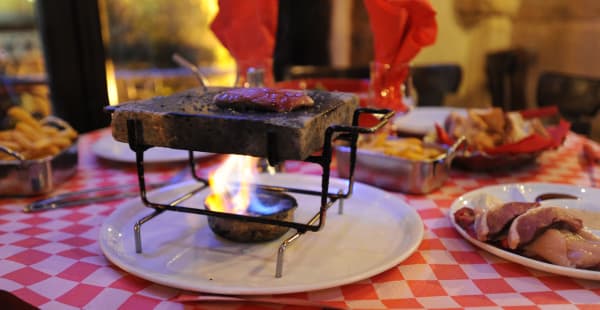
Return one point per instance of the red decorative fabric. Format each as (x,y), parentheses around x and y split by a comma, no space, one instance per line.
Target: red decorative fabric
(247,28)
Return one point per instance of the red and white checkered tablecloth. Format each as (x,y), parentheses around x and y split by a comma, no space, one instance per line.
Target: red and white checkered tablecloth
(53,261)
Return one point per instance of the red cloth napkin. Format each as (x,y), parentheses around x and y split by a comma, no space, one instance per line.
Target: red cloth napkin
(535,142)
(400,29)
(247,28)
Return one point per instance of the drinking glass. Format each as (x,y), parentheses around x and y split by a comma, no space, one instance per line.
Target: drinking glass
(257,73)
(254,73)
(391,86)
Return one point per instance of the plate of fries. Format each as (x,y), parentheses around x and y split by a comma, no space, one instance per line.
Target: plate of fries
(407,148)
(35,155)
(406,165)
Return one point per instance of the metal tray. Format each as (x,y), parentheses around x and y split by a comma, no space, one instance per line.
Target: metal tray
(396,173)
(37,176)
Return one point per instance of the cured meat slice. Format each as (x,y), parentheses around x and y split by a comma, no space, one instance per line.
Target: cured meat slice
(464,217)
(526,227)
(500,218)
(493,216)
(263,99)
(566,248)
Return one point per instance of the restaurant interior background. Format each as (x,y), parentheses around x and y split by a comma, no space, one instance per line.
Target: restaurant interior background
(140,36)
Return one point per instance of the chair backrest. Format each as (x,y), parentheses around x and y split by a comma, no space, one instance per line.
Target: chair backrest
(434,82)
(506,73)
(307,71)
(577,97)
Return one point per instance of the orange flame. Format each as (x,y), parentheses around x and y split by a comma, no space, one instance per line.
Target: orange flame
(231,184)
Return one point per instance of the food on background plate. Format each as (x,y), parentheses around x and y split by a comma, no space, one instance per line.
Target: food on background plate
(407,148)
(548,233)
(485,129)
(497,140)
(34,139)
(263,99)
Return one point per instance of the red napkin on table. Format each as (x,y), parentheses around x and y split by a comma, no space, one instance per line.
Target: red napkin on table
(247,28)
(400,29)
(535,142)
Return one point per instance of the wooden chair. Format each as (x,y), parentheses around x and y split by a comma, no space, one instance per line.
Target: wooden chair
(577,97)
(434,82)
(506,73)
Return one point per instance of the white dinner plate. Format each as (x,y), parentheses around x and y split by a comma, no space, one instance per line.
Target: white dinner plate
(108,148)
(421,120)
(588,202)
(375,232)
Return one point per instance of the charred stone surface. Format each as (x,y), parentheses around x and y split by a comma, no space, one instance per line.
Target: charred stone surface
(190,120)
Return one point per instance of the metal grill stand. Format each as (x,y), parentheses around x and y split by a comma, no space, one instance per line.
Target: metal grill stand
(349,133)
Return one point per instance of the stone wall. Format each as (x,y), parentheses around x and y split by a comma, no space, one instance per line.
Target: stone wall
(558,35)
(562,35)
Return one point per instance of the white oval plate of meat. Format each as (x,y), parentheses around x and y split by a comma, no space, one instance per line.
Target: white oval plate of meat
(587,207)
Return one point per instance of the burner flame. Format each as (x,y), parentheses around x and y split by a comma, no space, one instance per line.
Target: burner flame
(232,185)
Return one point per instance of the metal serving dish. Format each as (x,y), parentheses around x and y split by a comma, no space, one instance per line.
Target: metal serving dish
(396,173)
(37,176)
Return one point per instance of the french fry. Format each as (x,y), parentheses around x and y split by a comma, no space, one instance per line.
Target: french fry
(20,138)
(5,134)
(11,145)
(50,131)
(21,115)
(61,142)
(29,131)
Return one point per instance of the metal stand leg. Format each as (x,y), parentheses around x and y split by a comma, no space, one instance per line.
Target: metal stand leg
(137,228)
(287,242)
(281,251)
(341,203)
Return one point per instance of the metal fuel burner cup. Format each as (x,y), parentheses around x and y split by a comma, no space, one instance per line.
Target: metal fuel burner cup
(266,204)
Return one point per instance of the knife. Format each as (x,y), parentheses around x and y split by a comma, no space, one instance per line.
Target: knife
(96,195)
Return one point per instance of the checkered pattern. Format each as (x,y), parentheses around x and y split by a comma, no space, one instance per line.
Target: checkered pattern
(52,259)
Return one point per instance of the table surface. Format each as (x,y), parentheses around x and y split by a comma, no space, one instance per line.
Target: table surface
(53,260)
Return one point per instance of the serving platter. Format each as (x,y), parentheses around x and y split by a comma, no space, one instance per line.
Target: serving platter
(376,231)
(586,204)
(108,148)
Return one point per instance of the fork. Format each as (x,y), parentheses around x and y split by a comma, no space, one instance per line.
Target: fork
(95,195)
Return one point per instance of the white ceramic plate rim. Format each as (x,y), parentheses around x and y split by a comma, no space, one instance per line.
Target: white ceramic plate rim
(421,120)
(108,148)
(529,191)
(411,228)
